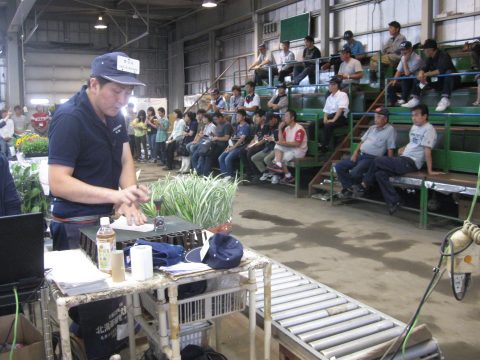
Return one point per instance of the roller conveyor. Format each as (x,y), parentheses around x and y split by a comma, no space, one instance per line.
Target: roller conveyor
(316,322)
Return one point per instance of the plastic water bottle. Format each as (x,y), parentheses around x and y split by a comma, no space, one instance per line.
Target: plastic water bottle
(105,245)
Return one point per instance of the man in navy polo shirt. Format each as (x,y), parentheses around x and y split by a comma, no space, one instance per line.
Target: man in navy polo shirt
(89,154)
(89,159)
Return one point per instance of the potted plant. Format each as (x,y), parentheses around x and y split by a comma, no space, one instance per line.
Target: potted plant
(203,200)
(32,145)
(27,182)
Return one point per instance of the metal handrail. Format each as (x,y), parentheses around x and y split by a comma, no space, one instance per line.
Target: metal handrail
(461,73)
(450,41)
(405,113)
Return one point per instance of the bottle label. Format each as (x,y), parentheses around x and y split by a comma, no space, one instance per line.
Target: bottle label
(104,256)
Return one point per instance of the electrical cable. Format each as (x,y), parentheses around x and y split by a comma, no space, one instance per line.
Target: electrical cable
(17,311)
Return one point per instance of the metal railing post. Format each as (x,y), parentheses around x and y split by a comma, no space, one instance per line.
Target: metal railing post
(317,71)
(270,77)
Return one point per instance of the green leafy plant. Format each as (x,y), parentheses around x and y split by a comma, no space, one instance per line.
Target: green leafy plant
(205,201)
(27,182)
(38,146)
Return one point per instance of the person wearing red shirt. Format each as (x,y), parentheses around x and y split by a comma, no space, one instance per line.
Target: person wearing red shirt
(291,144)
(40,121)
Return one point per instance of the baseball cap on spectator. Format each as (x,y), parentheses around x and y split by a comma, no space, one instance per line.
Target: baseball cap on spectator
(347,35)
(282,85)
(395,24)
(346,48)
(262,46)
(381,110)
(430,44)
(223,251)
(405,45)
(214,91)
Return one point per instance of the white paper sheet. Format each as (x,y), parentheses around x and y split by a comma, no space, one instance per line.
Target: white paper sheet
(121,224)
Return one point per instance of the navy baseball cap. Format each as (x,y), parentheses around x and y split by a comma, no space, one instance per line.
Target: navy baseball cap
(405,45)
(382,111)
(346,48)
(335,80)
(224,252)
(117,67)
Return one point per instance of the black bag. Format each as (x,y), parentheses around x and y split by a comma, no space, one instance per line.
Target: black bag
(194,352)
(205,147)
(182,149)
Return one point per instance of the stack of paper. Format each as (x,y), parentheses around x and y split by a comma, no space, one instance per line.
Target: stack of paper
(74,273)
(183,268)
(121,224)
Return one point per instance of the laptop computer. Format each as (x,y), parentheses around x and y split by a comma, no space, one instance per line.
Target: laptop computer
(21,252)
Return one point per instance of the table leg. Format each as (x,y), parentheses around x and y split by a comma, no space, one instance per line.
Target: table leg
(62,312)
(174,323)
(131,326)
(252,297)
(46,328)
(162,319)
(267,309)
(218,334)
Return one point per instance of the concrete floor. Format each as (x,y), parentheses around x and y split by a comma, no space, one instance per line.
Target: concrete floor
(384,261)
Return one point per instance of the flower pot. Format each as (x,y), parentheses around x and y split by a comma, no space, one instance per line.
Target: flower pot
(34,155)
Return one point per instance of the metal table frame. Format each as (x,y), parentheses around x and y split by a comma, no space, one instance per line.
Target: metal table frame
(160,282)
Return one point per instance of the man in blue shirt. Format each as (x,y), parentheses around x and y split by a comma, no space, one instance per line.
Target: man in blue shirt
(238,143)
(89,154)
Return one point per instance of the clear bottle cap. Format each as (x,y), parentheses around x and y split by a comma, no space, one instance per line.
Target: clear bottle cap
(104,221)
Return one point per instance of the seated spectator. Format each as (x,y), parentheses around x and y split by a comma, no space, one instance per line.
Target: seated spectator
(285,68)
(335,111)
(175,137)
(152,124)
(279,102)
(7,130)
(310,53)
(40,121)
(438,62)
(291,145)
(252,100)
(10,203)
(475,56)
(377,141)
(217,103)
(410,63)
(206,130)
(260,65)
(189,134)
(350,71)
(20,121)
(265,157)
(162,135)
(256,144)
(208,152)
(390,51)
(236,100)
(411,157)
(237,143)
(356,49)
(140,129)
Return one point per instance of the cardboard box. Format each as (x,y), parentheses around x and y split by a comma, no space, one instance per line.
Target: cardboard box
(27,335)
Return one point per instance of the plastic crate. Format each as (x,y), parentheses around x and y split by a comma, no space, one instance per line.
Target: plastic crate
(212,305)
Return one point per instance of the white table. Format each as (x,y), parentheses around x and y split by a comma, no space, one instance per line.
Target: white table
(170,343)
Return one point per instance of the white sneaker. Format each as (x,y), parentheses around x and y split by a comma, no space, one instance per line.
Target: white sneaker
(228,177)
(266,176)
(443,104)
(275,179)
(411,103)
(400,102)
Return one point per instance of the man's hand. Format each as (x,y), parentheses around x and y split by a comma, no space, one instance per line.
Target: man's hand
(393,83)
(354,157)
(134,215)
(281,142)
(131,195)
(228,149)
(433,173)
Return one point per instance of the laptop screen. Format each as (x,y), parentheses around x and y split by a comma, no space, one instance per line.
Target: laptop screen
(21,250)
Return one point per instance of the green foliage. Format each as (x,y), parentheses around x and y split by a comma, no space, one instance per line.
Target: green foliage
(27,182)
(206,201)
(37,146)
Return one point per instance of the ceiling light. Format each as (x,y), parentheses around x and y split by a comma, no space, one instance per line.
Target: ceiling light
(100,25)
(209,3)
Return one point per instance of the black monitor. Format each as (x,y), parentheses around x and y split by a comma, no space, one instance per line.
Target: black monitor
(21,252)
